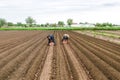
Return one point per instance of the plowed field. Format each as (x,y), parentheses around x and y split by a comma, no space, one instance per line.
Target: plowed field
(24,55)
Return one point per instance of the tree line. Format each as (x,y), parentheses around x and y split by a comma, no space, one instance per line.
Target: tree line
(30,22)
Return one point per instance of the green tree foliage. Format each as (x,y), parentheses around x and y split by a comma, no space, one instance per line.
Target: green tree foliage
(61,23)
(53,25)
(2,22)
(38,25)
(47,25)
(69,22)
(98,25)
(104,24)
(19,24)
(10,24)
(30,21)
(42,25)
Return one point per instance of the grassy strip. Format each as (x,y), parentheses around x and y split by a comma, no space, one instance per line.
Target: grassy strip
(61,28)
(106,34)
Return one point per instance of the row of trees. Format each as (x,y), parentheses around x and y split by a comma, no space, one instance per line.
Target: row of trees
(103,24)
(30,22)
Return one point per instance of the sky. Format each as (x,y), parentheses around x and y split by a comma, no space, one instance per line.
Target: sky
(52,11)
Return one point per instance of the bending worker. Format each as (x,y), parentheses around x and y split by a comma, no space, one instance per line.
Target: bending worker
(51,39)
(65,38)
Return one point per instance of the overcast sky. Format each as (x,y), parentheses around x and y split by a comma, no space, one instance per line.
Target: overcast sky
(51,11)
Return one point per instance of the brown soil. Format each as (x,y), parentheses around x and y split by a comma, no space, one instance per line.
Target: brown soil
(24,55)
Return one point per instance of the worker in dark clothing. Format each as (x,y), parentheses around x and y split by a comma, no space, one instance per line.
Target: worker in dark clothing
(51,39)
(65,38)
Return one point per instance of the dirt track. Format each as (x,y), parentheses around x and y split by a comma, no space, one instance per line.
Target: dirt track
(24,55)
